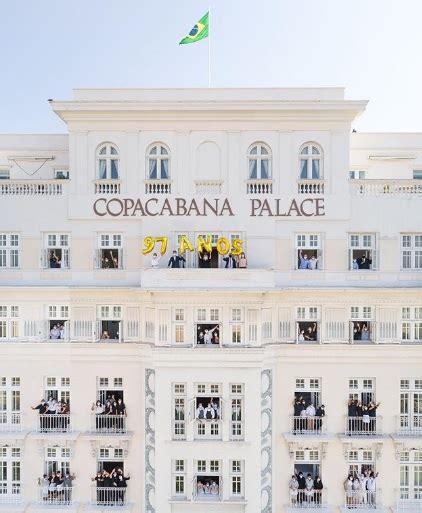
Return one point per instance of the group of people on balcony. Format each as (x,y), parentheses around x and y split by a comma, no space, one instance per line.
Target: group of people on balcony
(307,263)
(111,487)
(361,489)
(309,334)
(211,412)
(57,488)
(178,261)
(361,331)
(109,416)
(208,488)
(57,332)
(364,262)
(59,411)
(361,416)
(54,260)
(307,417)
(305,491)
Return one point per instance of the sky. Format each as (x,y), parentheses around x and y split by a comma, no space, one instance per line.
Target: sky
(370,47)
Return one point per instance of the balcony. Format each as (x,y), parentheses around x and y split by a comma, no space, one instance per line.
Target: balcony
(362,500)
(50,423)
(314,499)
(358,426)
(259,187)
(108,497)
(400,188)
(31,188)
(60,496)
(310,186)
(315,426)
(10,422)
(108,424)
(157,186)
(208,186)
(107,186)
(409,425)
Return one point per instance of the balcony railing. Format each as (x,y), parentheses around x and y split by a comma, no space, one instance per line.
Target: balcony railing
(207,430)
(308,499)
(310,187)
(157,186)
(54,423)
(58,496)
(107,187)
(409,500)
(208,186)
(202,493)
(108,424)
(259,187)
(362,499)
(105,496)
(10,422)
(308,425)
(31,188)
(409,425)
(363,426)
(12,495)
(387,187)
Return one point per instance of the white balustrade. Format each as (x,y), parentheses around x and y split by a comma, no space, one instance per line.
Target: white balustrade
(386,187)
(102,423)
(31,188)
(259,187)
(107,187)
(52,423)
(157,186)
(363,426)
(308,425)
(108,496)
(208,187)
(362,499)
(310,187)
(10,422)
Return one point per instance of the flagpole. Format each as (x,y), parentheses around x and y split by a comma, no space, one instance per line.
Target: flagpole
(209,45)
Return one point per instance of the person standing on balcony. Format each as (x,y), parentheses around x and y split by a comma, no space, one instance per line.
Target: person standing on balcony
(208,335)
(209,412)
(309,488)
(67,485)
(302,485)
(348,488)
(313,263)
(310,415)
(318,487)
(320,412)
(365,333)
(352,413)
(372,412)
(44,482)
(243,262)
(230,262)
(121,482)
(371,486)
(176,261)
(155,261)
(121,413)
(204,259)
(303,260)
(364,262)
(293,490)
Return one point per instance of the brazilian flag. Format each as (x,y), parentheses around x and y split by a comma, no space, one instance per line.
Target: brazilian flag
(199,31)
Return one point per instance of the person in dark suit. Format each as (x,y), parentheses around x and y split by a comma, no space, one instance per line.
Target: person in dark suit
(176,261)
(302,485)
(364,263)
(230,262)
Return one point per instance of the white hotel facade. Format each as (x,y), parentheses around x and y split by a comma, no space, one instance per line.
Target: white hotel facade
(278,169)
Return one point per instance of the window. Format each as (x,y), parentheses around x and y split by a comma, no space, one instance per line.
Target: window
(411,251)
(411,326)
(57,459)
(208,328)
(10,472)
(357,175)
(61,174)
(308,326)
(310,156)
(179,477)
(206,409)
(363,251)
(110,322)
(236,326)
(362,326)
(410,406)
(236,404)
(360,461)
(411,476)
(9,322)
(57,388)
(158,160)
(58,321)
(5,174)
(308,254)
(10,403)
(107,387)
(179,411)
(417,174)
(259,162)
(236,478)
(108,162)
(9,250)
(56,251)
(362,390)
(110,251)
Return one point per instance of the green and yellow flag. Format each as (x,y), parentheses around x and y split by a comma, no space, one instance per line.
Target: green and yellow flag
(198,32)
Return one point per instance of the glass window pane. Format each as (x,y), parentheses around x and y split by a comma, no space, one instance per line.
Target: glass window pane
(315,169)
(153,169)
(113,151)
(164,169)
(114,169)
(305,151)
(102,172)
(252,169)
(163,151)
(153,151)
(103,150)
(304,169)
(254,150)
(264,150)
(315,150)
(264,169)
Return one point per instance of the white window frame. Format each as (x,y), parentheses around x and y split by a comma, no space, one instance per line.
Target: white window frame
(410,463)
(411,252)
(359,242)
(237,478)
(109,241)
(9,322)
(358,387)
(179,404)
(237,400)
(56,242)
(58,458)
(306,242)
(179,471)
(57,386)
(10,250)
(411,324)
(357,458)
(108,157)
(263,152)
(310,157)
(10,463)
(159,156)
(357,174)
(108,384)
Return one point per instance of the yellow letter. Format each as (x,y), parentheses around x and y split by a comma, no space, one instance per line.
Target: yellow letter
(149,244)
(237,247)
(163,241)
(185,244)
(204,244)
(223,246)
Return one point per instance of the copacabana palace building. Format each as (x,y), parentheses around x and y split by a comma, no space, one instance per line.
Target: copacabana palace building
(222,371)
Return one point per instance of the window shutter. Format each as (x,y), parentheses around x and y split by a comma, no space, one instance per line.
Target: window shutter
(132,323)
(285,325)
(81,324)
(335,324)
(388,319)
(252,326)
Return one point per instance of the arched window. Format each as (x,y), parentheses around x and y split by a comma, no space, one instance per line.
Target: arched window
(259,162)
(158,162)
(310,161)
(108,162)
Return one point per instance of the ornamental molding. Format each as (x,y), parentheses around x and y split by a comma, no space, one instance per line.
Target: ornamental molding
(266,440)
(149,441)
